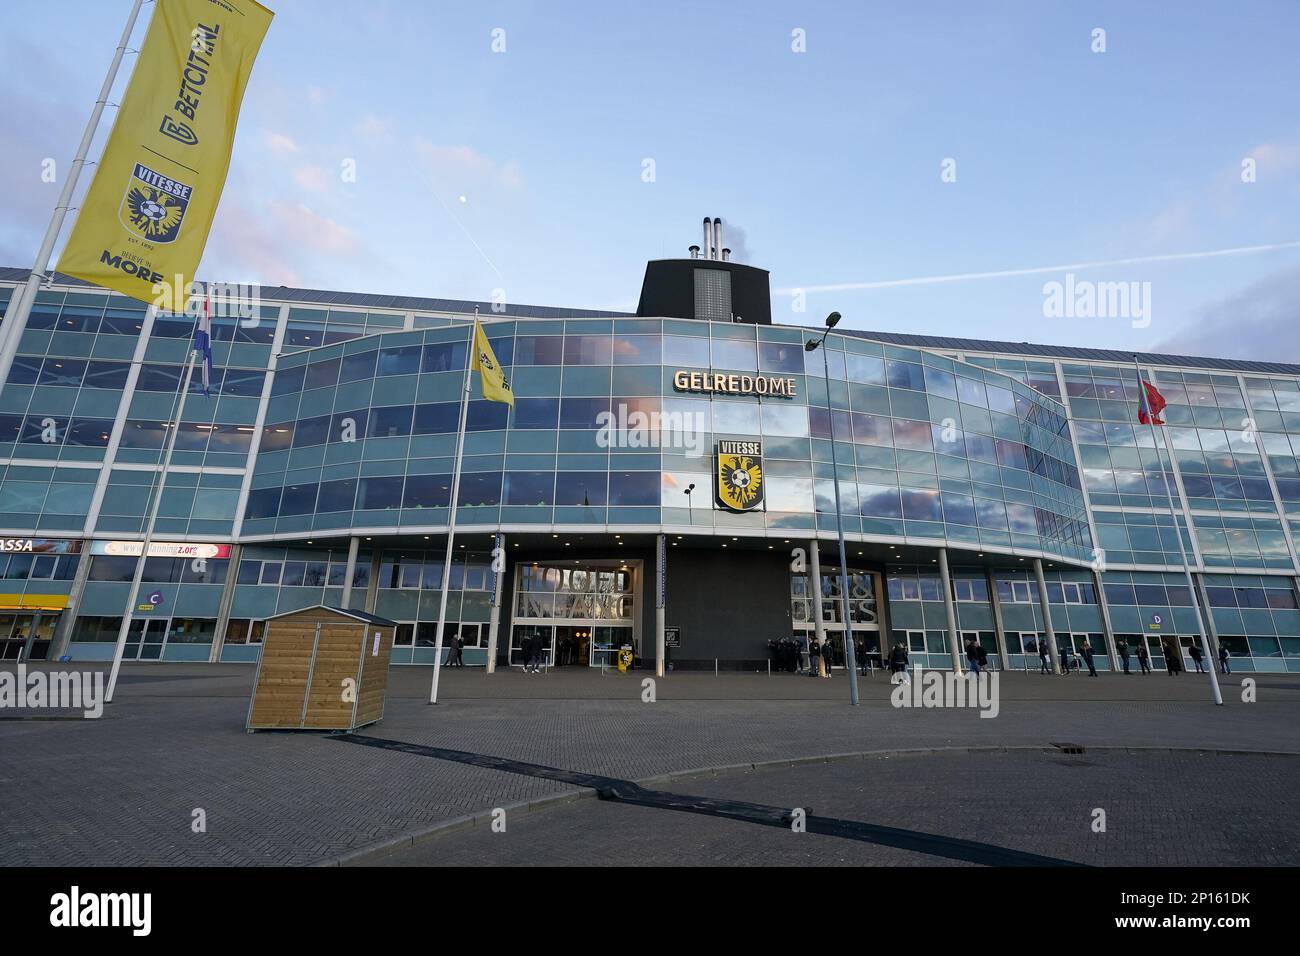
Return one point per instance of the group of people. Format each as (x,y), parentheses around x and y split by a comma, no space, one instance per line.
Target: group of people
(533,649)
(807,655)
(977,658)
(1068,661)
(1172,649)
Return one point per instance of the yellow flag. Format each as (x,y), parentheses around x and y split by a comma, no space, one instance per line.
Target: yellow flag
(146,217)
(495,386)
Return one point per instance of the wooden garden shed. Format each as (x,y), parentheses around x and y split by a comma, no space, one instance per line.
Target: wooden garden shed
(322,668)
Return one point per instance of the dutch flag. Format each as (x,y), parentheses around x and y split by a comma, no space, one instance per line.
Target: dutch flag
(203,342)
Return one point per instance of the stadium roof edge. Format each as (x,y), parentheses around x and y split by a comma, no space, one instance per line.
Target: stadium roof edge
(931,342)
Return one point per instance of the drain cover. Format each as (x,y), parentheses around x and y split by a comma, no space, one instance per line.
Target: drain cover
(1068,748)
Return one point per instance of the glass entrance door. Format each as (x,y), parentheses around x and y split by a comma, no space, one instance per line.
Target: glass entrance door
(145,640)
(543,633)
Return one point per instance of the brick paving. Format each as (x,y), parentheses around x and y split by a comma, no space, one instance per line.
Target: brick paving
(1162,809)
(122,790)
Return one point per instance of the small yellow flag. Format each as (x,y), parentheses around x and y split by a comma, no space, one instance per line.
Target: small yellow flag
(495,386)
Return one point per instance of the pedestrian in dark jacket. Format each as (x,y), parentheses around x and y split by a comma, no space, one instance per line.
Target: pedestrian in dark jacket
(1144,659)
(972,658)
(1223,660)
(1086,650)
(1173,657)
(1044,658)
(826,656)
(1197,658)
(1123,655)
(898,662)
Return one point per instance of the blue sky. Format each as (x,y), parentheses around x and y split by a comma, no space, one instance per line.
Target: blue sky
(825,165)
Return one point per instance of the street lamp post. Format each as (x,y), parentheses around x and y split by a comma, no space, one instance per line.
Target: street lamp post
(850,659)
(690,504)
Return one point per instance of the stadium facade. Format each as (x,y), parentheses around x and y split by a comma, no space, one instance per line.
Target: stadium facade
(676,459)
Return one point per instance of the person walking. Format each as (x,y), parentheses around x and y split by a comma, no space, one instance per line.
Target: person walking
(814,657)
(1173,657)
(457,646)
(972,658)
(1144,659)
(1123,655)
(1064,651)
(1044,657)
(827,650)
(1197,658)
(1086,650)
(898,664)
(1223,660)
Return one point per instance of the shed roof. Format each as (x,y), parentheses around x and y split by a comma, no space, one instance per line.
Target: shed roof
(357,615)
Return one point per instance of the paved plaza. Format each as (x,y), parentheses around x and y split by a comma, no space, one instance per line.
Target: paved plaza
(1181,781)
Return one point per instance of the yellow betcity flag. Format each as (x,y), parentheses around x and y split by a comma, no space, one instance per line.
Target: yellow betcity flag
(147,214)
(495,386)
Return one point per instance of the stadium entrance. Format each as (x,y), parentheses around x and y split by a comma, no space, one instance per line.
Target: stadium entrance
(580,612)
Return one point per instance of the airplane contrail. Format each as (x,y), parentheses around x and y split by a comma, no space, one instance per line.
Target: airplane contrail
(1037,270)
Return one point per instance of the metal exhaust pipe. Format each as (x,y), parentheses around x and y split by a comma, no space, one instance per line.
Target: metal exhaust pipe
(694,251)
(708,238)
(726,255)
(717,238)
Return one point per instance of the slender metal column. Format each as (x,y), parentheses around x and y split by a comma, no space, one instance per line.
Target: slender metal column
(498,580)
(815,583)
(949,610)
(1105,620)
(354,548)
(996,603)
(1048,630)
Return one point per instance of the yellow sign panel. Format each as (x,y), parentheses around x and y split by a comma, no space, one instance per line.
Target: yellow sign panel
(33,602)
(146,217)
(740,475)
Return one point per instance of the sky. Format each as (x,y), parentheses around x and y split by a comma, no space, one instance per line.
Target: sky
(548,150)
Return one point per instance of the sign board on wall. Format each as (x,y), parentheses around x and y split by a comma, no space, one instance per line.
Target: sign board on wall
(39,546)
(160,549)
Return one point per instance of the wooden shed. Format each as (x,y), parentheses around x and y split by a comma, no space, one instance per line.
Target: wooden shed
(322,668)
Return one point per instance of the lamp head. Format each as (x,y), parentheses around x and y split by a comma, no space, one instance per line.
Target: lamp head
(832,320)
(811,345)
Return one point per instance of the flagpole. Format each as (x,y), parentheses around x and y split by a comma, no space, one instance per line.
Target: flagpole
(20,308)
(148,533)
(1178,533)
(451,517)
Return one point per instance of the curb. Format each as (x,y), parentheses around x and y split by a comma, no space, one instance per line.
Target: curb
(361,855)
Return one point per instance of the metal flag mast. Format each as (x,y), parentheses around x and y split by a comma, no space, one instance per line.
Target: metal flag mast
(20,308)
(129,616)
(451,515)
(1178,533)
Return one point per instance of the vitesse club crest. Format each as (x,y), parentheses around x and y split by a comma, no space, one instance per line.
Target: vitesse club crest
(740,475)
(153,207)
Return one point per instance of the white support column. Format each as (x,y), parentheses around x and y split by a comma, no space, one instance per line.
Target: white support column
(949,610)
(1049,632)
(354,547)
(661,592)
(227,602)
(1105,620)
(815,584)
(498,581)
(995,602)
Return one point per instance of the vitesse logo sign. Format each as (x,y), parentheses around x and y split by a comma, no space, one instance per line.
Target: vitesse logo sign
(740,475)
(153,207)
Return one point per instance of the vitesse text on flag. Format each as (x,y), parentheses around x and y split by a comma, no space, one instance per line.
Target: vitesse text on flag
(145,220)
(495,386)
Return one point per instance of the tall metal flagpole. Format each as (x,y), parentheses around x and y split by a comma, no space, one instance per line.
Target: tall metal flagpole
(1178,533)
(21,306)
(451,517)
(850,655)
(148,532)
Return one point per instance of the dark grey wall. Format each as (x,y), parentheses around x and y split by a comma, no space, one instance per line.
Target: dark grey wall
(728,604)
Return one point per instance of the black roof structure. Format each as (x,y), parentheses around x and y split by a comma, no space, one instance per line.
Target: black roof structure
(361,300)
